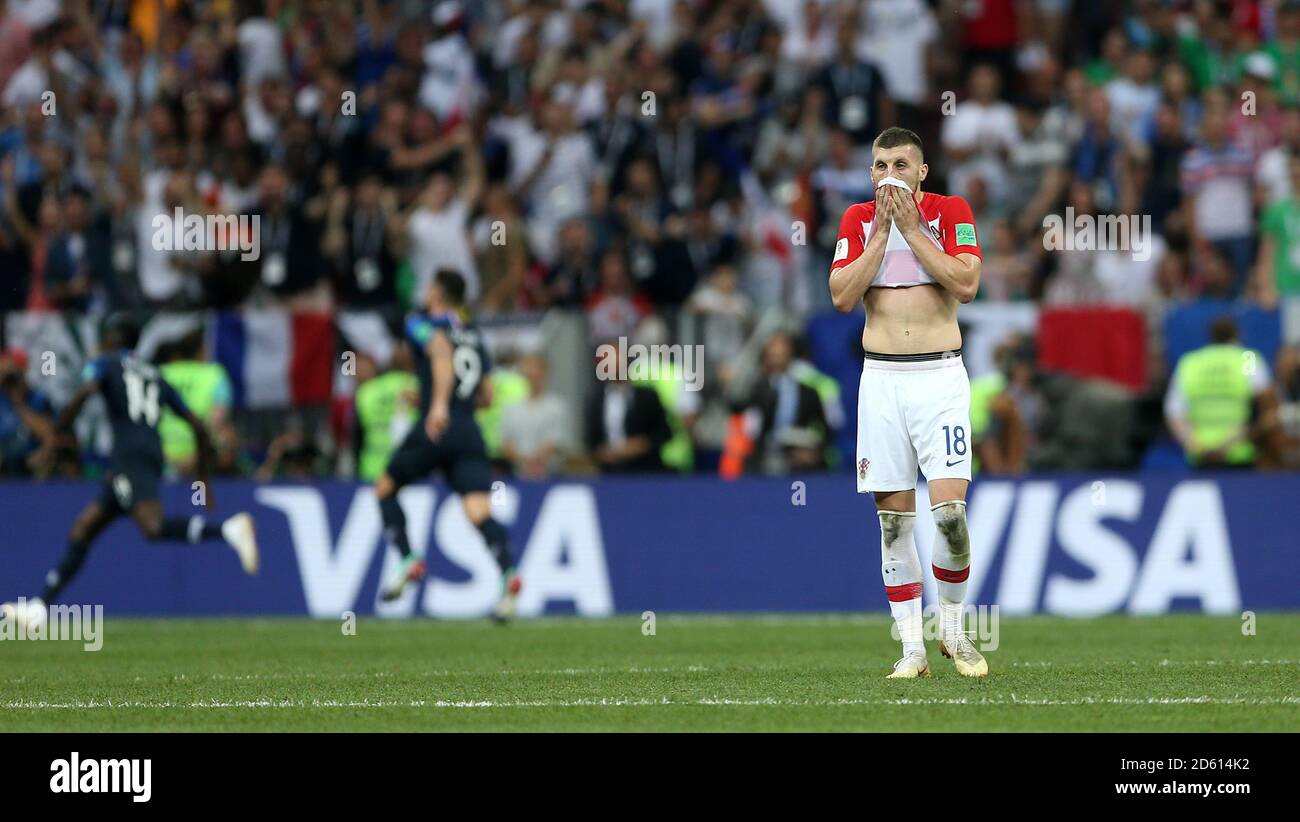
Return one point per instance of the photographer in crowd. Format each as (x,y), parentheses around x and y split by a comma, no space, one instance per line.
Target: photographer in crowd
(26,417)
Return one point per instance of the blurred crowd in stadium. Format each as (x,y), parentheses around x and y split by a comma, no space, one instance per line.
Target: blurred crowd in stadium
(661,172)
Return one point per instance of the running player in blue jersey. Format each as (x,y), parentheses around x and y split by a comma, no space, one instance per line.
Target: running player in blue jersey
(134,395)
(452,364)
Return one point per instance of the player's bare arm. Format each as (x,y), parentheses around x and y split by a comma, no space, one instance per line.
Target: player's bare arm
(850,283)
(70,411)
(60,431)
(441,366)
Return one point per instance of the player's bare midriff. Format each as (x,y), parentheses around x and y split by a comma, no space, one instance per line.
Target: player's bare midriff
(917,320)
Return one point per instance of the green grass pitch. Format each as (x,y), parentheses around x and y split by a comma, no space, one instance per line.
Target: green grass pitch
(695,673)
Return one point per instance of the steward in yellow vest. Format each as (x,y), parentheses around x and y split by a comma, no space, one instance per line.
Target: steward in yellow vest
(1215,393)
(205,388)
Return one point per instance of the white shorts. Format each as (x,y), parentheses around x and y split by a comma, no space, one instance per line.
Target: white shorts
(910,414)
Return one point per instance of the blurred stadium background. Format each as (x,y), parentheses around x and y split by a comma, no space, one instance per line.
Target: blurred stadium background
(663,172)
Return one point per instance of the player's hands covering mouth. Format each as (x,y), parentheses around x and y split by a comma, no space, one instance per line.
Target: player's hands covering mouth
(903,209)
(884,216)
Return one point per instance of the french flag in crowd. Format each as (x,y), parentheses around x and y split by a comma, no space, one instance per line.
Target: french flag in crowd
(275,358)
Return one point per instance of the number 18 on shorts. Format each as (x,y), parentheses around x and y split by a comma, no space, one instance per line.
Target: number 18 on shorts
(912,413)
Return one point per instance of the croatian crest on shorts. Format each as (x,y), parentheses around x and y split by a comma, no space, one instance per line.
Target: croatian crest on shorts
(863,465)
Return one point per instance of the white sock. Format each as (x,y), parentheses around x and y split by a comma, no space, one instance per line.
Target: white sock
(907,616)
(900,567)
(950,621)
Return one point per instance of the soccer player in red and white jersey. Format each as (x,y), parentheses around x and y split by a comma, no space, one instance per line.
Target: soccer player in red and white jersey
(910,257)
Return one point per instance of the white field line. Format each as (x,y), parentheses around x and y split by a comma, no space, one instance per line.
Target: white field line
(602,671)
(687,669)
(690,669)
(1165,663)
(291,675)
(615,702)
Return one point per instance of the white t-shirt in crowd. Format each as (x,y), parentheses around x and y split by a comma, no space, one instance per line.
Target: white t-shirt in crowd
(1273,173)
(262,127)
(554,34)
(560,190)
(440,239)
(894,36)
(1127,280)
(1220,183)
(31,80)
(159,279)
(989,129)
(587,100)
(1222,208)
(658,15)
(261,50)
(1132,107)
(534,423)
(797,43)
(448,85)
